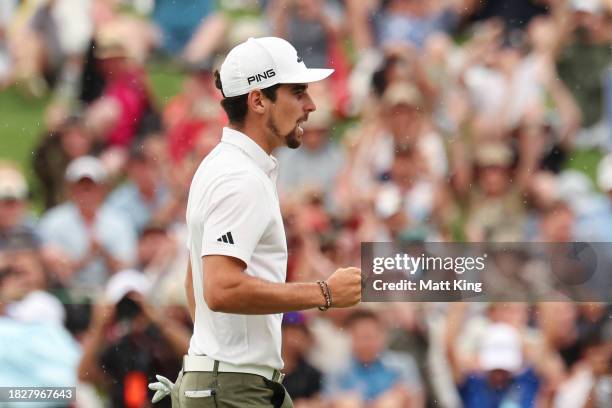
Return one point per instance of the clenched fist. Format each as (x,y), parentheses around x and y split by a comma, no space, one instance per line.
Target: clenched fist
(345,287)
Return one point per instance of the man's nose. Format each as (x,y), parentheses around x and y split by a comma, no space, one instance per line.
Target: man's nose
(310,105)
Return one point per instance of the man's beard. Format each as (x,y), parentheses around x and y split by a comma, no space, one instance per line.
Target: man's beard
(292,140)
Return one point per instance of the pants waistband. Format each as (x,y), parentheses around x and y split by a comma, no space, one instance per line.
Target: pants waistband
(207,364)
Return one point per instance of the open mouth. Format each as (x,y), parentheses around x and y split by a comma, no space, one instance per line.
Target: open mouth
(299,124)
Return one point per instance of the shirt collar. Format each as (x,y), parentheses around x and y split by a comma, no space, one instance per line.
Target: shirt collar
(264,161)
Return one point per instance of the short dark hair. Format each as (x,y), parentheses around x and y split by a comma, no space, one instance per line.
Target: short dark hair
(236,107)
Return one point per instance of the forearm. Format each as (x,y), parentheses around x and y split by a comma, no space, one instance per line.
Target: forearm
(250,295)
(278,17)
(357,16)
(89,369)
(569,111)
(176,335)
(454,323)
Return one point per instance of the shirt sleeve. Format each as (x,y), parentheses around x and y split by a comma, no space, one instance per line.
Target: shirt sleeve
(238,217)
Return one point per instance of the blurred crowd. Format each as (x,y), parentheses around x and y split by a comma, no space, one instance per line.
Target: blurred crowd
(446,120)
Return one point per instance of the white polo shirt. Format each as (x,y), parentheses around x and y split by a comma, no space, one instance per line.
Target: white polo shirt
(233,210)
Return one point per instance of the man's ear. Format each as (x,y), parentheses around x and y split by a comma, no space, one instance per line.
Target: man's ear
(255,100)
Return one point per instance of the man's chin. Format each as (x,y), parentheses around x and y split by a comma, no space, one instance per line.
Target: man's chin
(294,139)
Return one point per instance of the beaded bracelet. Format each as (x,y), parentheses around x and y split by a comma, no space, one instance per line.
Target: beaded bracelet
(326,294)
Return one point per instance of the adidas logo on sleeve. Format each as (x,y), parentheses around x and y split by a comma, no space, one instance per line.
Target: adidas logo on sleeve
(227,238)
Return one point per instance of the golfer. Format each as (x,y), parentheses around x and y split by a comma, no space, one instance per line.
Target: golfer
(236,280)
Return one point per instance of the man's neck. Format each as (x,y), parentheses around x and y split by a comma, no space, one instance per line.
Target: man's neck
(255,132)
(88,214)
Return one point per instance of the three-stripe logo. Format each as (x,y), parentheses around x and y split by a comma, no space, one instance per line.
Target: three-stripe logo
(227,238)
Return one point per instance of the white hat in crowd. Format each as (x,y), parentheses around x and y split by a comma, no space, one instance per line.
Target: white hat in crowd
(124,282)
(588,6)
(86,167)
(13,185)
(259,63)
(501,349)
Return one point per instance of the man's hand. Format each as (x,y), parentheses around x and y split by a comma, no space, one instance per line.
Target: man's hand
(103,315)
(345,287)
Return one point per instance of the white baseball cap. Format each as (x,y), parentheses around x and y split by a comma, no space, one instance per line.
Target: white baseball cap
(86,167)
(124,282)
(259,63)
(501,349)
(12,184)
(587,6)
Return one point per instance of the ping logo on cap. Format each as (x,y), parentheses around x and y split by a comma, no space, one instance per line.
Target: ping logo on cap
(260,77)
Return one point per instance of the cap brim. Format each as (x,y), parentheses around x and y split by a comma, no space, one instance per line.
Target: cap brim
(308,76)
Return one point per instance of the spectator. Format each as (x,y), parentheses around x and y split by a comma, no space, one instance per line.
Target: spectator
(302,380)
(542,192)
(502,373)
(504,84)
(90,241)
(317,164)
(48,43)
(588,383)
(376,376)
(35,349)
(16,229)
(596,224)
(232,23)
(144,195)
(555,129)
(584,41)
(162,259)
(194,116)
(411,22)
(561,331)
(408,334)
(414,21)
(59,147)
(179,21)
(121,20)
(28,283)
(576,189)
(310,26)
(124,362)
(422,196)
(496,211)
(557,223)
(118,116)
(403,120)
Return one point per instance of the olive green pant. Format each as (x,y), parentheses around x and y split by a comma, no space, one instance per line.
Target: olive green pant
(228,390)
